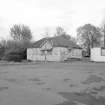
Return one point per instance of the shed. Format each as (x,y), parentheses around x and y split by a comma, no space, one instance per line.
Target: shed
(98,54)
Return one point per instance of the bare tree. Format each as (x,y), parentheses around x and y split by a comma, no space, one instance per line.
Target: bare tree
(21,32)
(59,31)
(89,36)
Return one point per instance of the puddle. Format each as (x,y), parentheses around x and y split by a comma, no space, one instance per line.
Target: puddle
(92,79)
(3,88)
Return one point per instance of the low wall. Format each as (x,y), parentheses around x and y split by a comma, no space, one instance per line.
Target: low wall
(96,55)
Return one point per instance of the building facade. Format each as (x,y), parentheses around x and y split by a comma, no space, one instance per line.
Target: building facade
(53,49)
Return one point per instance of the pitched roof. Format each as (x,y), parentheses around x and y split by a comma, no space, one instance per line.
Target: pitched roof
(58,41)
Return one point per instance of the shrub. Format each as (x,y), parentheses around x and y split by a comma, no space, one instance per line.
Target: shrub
(2,50)
(16,55)
(15,50)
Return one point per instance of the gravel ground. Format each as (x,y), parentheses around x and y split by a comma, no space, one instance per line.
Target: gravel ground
(52,83)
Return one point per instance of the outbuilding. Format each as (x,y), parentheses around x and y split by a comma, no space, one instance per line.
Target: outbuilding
(56,48)
(98,54)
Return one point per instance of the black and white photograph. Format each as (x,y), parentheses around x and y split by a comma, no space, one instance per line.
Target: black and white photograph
(52,52)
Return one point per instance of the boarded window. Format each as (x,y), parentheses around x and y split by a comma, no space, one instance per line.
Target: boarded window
(103,51)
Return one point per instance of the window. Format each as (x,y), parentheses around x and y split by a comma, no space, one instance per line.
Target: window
(102,51)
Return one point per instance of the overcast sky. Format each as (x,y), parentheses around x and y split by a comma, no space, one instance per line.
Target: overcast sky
(41,14)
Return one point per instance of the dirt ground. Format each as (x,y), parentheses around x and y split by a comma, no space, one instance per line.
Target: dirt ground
(73,83)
